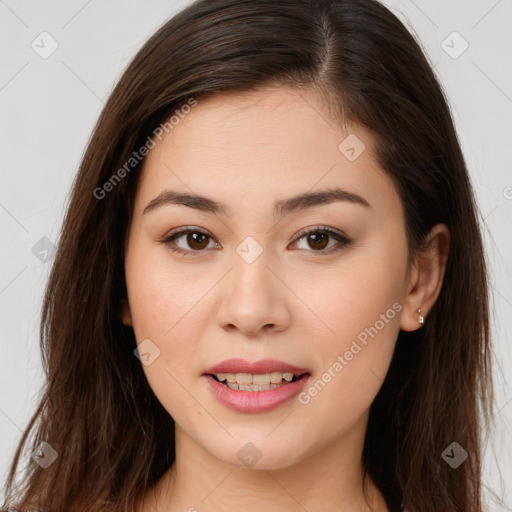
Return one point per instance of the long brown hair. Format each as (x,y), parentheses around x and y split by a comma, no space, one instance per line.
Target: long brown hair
(112,436)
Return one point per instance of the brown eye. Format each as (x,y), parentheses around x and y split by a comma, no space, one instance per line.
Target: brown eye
(318,240)
(194,239)
(197,240)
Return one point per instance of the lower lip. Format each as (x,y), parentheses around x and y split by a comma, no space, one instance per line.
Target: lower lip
(256,401)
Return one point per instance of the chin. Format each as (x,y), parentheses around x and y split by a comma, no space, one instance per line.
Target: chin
(258,453)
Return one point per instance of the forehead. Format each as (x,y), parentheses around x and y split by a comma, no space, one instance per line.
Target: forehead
(274,141)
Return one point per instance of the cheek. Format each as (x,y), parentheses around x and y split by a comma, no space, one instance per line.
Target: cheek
(358,309)
(162,312)
(355,294)
(161,293)
(166,309)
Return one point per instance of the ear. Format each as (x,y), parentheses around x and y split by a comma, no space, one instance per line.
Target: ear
(125,314)
(425,279)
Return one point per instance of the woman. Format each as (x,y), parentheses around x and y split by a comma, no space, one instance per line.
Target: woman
(270,288)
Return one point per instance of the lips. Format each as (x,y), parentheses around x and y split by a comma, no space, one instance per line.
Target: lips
(238,365)
(254,398)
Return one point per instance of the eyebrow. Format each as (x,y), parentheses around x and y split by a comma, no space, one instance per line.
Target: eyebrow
(281,208)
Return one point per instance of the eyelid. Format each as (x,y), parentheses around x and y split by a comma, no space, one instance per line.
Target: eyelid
(317,227)
(186,229)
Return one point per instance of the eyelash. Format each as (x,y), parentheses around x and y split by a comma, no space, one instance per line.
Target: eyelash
(343,240)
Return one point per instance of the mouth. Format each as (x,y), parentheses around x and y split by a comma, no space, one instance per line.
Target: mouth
(256,398)
(257,381)
(255,387)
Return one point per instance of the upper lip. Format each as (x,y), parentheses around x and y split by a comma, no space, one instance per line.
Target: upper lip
(238,365)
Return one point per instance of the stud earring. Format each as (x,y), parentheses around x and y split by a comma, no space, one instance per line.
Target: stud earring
(420,318)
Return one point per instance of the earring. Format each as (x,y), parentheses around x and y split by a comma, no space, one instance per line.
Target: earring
(420,318)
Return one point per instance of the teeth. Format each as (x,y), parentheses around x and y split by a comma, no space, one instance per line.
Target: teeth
(257,379)
(253,387)
(243,378)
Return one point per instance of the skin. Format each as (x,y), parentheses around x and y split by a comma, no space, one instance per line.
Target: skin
(294,303)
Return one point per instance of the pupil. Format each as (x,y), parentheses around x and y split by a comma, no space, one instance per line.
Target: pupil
(192,239)
(314,236)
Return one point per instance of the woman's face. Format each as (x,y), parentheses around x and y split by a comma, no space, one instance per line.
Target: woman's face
(254,288)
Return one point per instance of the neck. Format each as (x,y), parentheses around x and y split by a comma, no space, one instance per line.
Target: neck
(331,480)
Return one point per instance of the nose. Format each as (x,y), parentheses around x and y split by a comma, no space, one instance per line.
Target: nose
(253,299)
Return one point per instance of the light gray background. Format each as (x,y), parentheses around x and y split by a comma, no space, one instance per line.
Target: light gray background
(49,106)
